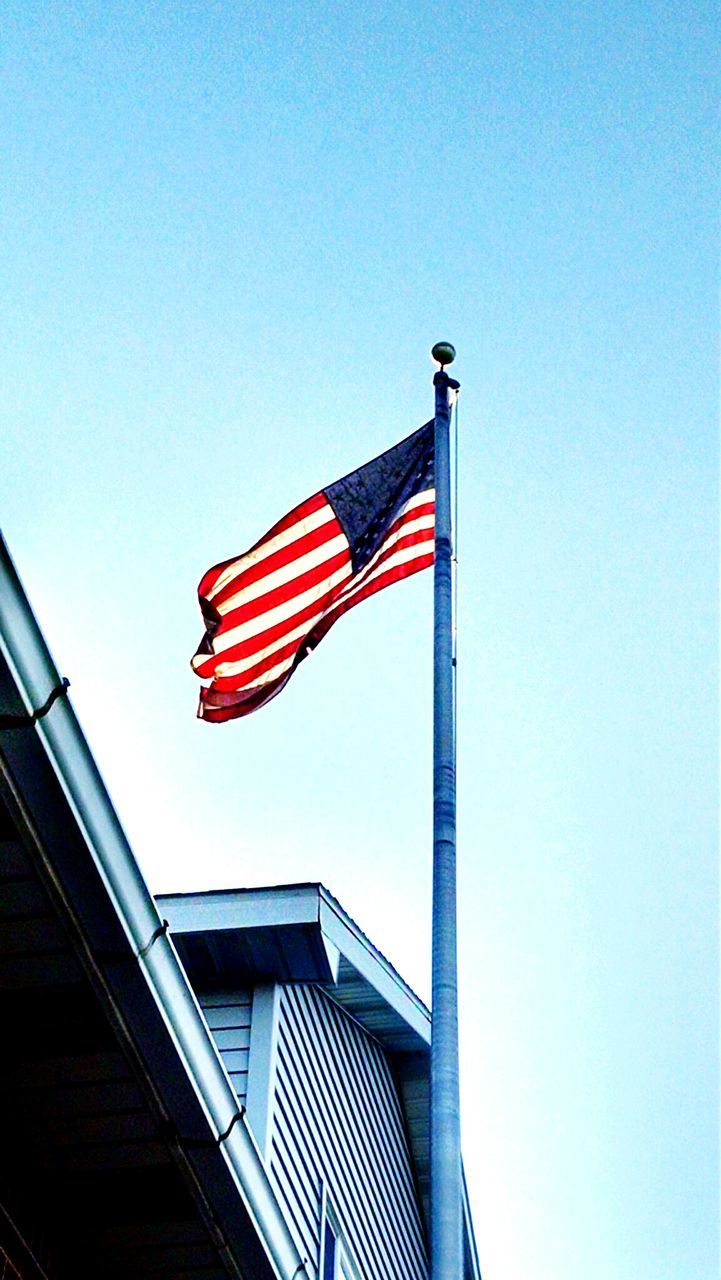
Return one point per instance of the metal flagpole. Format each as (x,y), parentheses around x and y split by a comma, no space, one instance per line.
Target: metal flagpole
(446,1241)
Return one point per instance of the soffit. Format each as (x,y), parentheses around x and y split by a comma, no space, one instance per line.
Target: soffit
(87,1168)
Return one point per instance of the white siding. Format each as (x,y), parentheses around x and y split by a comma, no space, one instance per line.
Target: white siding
(338,1122)
(228,1016)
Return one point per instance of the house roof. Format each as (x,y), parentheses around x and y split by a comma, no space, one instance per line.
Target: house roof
(296,933)
(301,933)
(121,1129)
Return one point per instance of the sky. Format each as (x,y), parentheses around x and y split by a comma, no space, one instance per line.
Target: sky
(229,237)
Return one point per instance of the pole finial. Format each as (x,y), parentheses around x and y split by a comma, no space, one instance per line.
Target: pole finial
(444,353)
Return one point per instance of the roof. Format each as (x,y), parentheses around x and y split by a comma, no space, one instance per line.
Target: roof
(120,1125)
(301,933)
(296,933)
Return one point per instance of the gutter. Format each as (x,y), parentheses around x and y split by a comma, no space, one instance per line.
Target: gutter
(48,716)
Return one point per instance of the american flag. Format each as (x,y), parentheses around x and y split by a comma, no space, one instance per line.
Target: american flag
(266,610)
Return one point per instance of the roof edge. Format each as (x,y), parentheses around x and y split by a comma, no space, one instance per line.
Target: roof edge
(63,743)
(358,949)
(309,903)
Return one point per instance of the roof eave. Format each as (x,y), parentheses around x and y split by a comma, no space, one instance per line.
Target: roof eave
(55,780)
(290,909)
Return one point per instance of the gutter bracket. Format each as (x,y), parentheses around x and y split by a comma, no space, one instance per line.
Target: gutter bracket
(238,1116)
(27,720)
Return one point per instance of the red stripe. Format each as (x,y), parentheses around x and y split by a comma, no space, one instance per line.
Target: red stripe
(260,639)
(376,582)
(414,539)
(298,513)
(230,697)
(219,707)
(395,574)
(424,509)
(252,674)
(280,595)
(276,560)
(288,591)
(413,513)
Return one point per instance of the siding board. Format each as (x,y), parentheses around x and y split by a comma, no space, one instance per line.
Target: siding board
(228,1016)
(337,1121)
(322,1131)
(303,1228)
(223,1017)
(372,1075)
(317,1134)
(388,1140)
(239,1081)
(354,1119)
(309,1183)
(290,1159)
(388,1101)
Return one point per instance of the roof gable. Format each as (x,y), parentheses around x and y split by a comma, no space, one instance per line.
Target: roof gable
(296,933)
(300,933)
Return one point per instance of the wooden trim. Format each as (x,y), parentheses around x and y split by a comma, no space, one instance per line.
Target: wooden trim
(261,1064)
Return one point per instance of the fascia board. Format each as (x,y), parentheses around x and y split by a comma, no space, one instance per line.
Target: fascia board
(374,968)
(286,905)
(228,910)
(219,910)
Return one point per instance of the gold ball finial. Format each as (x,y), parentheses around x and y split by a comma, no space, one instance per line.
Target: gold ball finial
(444,353)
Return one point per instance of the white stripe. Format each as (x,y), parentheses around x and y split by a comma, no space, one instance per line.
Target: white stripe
(402,556)
(268,619)
(298,530)
(244,664)
(418,500)
(287,573)
(411,526)
(273,617)
(264,621)
(272,674)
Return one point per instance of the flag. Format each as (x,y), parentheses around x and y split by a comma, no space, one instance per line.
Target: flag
(266,610)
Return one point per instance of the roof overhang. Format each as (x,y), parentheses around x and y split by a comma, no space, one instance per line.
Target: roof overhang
(121,951)
(300,933)
(295,933)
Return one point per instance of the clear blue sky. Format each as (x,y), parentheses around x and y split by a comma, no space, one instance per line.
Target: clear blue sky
(230,235)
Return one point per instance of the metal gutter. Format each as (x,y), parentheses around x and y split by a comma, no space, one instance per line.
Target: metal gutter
(142,933)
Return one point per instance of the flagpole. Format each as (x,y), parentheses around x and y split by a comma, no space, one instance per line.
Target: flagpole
(446,1240)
